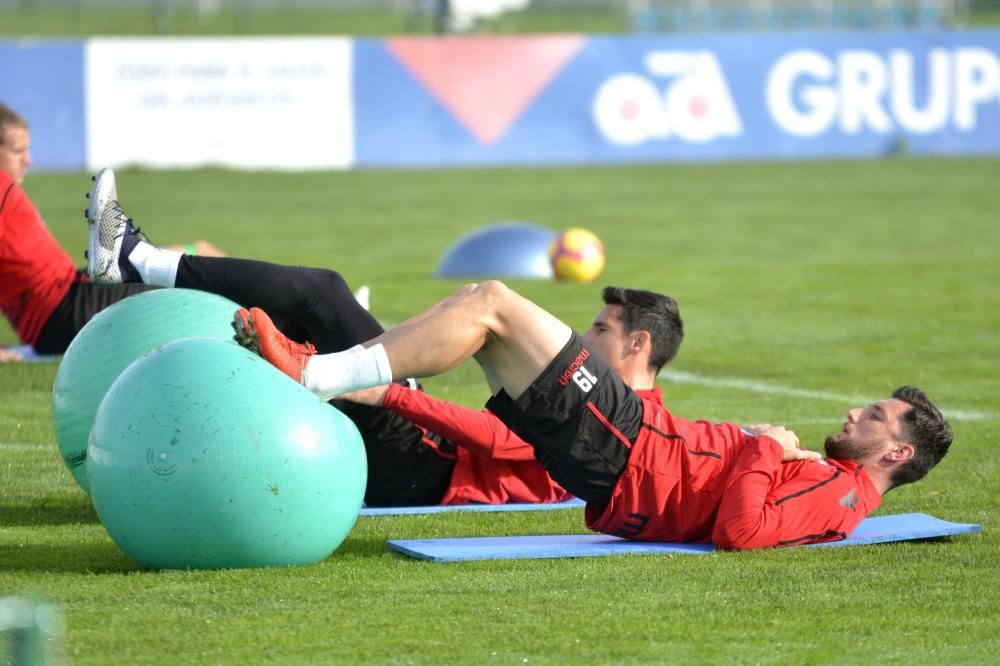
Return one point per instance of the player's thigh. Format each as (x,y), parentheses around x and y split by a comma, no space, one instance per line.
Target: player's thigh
(523,338)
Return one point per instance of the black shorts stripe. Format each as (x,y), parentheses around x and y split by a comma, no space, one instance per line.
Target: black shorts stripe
(812,537)
(603,420)
(810,489)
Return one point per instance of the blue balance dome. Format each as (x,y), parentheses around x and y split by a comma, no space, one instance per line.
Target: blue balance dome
(502,250)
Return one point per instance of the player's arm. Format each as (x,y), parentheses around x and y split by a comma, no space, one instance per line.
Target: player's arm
(747,517)
(479,432)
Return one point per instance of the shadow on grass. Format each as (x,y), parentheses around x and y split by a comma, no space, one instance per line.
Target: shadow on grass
(53,512)
(362,547)
(84,557)
(107,558)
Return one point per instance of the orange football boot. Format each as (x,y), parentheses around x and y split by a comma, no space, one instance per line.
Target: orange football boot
(255,331)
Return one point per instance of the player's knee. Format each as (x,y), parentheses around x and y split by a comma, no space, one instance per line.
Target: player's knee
(494,291)
(327,280)
(488,296)
(481,302)
(490,300)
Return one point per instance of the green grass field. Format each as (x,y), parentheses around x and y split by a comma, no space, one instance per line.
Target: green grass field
(56,21)
(806,289)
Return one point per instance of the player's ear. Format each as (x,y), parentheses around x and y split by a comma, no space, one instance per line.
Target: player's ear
(641,340)
(901,452)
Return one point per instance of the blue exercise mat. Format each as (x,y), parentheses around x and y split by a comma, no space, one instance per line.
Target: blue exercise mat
(29,355)
(903,527)
(411,510)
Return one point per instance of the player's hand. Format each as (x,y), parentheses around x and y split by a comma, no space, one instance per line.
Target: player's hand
(8,355)
(373,396)
(755,428)
(789,441)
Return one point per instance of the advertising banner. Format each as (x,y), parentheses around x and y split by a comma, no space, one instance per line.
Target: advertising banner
(269,103)
(575,99)
(335,103)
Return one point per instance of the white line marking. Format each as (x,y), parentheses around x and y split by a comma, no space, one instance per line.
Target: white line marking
(21,446)
(754,386)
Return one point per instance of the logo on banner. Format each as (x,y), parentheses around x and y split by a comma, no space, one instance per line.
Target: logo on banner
(684,94)
(809,93)
(486,82)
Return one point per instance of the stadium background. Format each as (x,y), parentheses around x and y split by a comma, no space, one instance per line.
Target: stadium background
(807,286)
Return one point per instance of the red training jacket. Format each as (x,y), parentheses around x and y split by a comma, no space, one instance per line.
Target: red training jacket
(703,482)
(493,465)
(35,272)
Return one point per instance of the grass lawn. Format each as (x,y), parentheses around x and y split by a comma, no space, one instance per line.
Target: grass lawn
(806,289)
(56,21)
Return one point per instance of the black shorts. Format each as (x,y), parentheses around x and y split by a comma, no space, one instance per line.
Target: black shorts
(78,306)
(581,419)
(407,466)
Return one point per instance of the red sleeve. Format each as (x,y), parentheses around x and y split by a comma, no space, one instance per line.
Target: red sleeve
(480,432)
(745,519)
(759,509)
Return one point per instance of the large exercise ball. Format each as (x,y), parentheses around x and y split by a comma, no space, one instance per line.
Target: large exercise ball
(502,250)
(204,456)
(110,342)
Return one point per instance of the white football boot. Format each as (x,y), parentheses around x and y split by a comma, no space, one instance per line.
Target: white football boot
(112,235)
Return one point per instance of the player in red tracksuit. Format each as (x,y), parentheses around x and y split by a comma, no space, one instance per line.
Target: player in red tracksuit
(644,472)
(35,272)
(46,298)
(701,482)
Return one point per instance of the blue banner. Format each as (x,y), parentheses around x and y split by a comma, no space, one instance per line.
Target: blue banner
(566,99)
(575,99)
(43,81)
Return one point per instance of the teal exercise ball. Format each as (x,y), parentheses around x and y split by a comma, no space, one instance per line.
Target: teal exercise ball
(109,342)
(205,456)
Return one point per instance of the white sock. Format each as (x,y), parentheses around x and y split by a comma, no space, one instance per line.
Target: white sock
(156,266)
(330,375)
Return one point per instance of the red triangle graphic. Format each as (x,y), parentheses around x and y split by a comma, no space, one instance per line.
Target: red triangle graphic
(486,82)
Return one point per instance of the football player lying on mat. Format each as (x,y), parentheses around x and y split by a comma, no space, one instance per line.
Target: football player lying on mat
(643,472)
(421,451)
(43,295)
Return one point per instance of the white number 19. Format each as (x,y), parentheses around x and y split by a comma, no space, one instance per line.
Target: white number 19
(584,379)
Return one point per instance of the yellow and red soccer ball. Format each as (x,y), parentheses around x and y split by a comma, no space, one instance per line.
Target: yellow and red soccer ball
(577,255)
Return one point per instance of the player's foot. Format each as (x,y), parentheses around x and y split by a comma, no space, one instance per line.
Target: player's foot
(112,235)
(255,331)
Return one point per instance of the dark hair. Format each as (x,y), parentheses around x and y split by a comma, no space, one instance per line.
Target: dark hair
(924,427)
(654,313)
(10,118)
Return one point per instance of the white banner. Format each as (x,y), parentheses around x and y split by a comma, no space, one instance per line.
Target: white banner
(255,103)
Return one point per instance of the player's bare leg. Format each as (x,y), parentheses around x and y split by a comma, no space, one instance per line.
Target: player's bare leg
(512,338)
